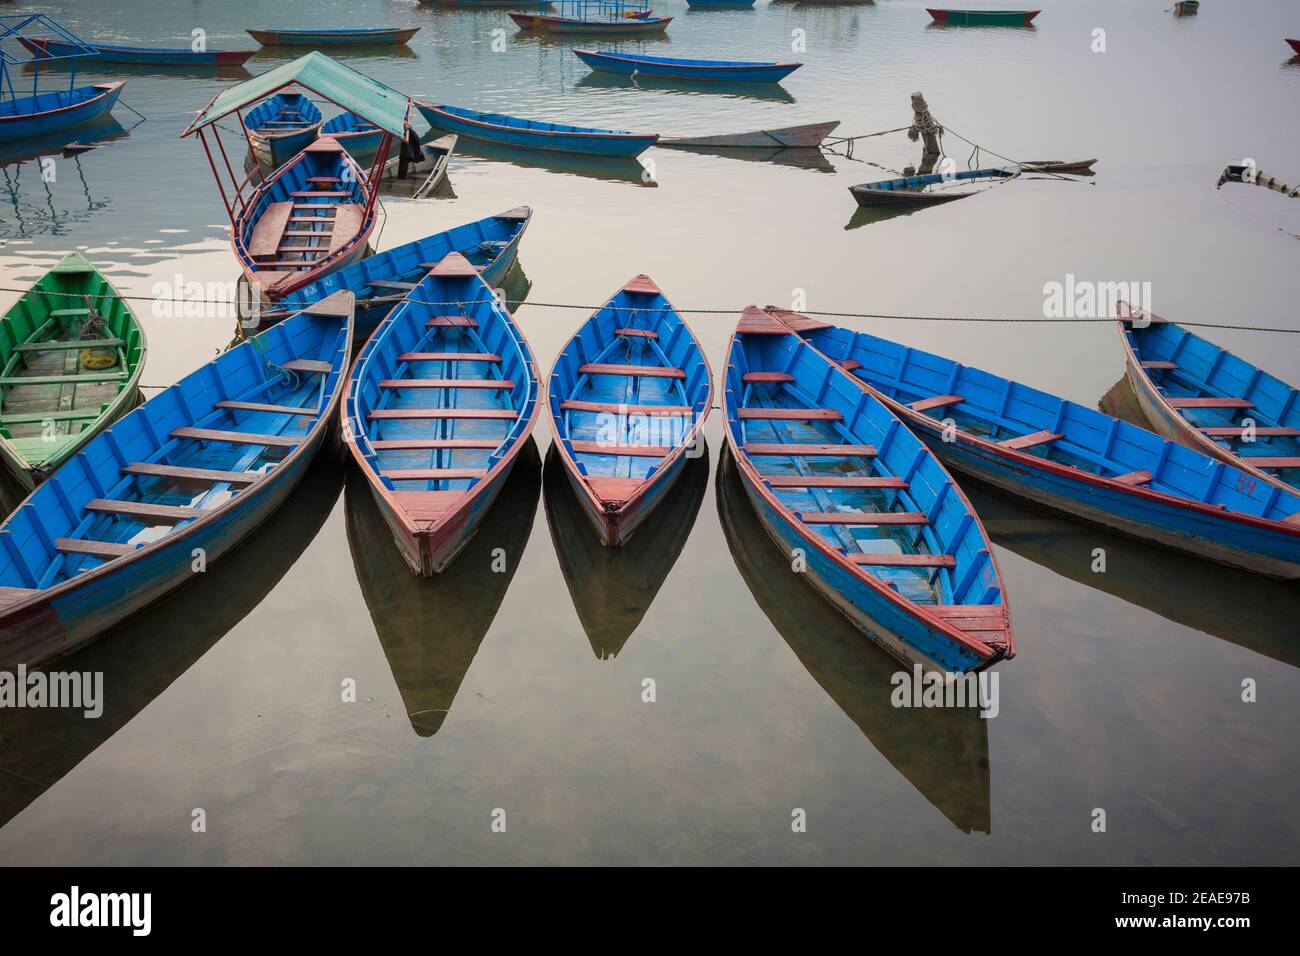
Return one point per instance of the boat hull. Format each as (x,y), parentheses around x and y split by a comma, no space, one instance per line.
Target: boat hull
(983,18)
(18,124)
(667,69)
(569,26)
(275,150)
(1295,46)
(591,143)
(332,38)
(142,55)
(720,4)
(809,136)
(1145,517)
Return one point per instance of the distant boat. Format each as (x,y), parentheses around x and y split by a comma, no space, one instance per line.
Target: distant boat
(1295,46)
(1197,393)
(190,473)
(870,517)
(153,56)
(1070,166)
(983,18)
(602,26)
(28,117)
(535,134)
(423,174)
(359,137)
(910,190)
(719,4)
(281,126)
(481,4)
(729,71)
(71,356)
(628,396)
(1187,8)
(440,402)
(328,38)
(810,136)
(1075,459)
(309,218)
(383,280)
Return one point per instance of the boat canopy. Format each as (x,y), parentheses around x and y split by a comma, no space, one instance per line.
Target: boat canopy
(347,89)
(19,30)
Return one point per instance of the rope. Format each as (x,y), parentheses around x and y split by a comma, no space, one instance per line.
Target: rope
(1023,320)
(1015,162)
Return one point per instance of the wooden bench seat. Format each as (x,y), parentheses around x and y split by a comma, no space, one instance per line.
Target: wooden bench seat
(235,438)
(1135,478)
(452,322)
(1154,365)
(74,344)
(504,414)
(143,509)
(1265,461)
(633,371)
(269,230)
(72,379)
(433,474)
(612,408)
(1210,402)
(96,549)
(497,384)
(147,469)
(609,448)
(811,451)
(904,560)
(835,481)
(1236,431)
(1030,441)
(766,378)
(310,366)
(637,333)
(791,414)
(449,357)
(434,444)
(934,401)
(391,284)
(261,407)
(867,518)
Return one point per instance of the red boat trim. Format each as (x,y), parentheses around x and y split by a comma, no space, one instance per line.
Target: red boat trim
(108,89)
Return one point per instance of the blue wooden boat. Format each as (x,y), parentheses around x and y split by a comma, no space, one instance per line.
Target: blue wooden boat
(53,111)
(725,71)
(383,280)
(151,56)
(439,403)
(359,137)
(1075,459)
(720,4)
(311,217)
(910,190)
(170,487)
(1197,393)
(281,127)
(532,134)
(379,36)
(867,514)
(628,396)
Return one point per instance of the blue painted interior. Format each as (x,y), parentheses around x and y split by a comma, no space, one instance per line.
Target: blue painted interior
(250,372)
(597,343)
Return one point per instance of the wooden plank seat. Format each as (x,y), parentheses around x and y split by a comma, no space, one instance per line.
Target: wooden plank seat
(69,344)
(613,408)
(329,219)
(324,179)
(319,206)
(391,284)
(433,474)
(449,357)
(96,549)
(501,384)
(235,438)
(766,378)
(71,313)
(904,560)
(432,444)
(1210,402)
(869,518)
(1157,365)
(504,414)
(1135,478)
(308,233)
(1030,441)
(262,407)
(319,194)
(269,229)
(633,371)
(73,415)
(637,333)
(73,379)
(849,365)
(142,509)
(11,596)
(1266,461)
(1236,431)
(835,481)
(287,264)
(609,448)
(812,451)
(310,366)
(791,414)
(452,322)
(147,469)
(934,401)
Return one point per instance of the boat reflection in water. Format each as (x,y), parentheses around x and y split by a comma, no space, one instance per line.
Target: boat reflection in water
(943,752)
(609,168)
(613,588)
(143,657)
(431,628)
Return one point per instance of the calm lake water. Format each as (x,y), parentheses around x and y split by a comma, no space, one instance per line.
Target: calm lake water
(523,691)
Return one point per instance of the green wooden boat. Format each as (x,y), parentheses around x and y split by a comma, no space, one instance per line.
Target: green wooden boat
(71,354)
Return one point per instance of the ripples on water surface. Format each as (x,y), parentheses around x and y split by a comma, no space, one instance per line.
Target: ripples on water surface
(523,691)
